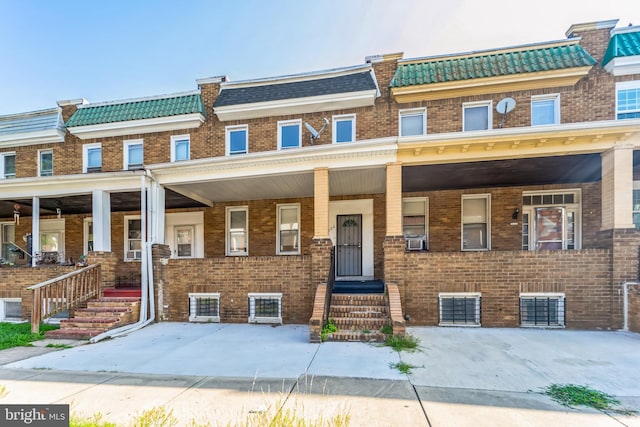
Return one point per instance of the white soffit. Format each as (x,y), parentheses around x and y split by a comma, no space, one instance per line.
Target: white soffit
(160,124)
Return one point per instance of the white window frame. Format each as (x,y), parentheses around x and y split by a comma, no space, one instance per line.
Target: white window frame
(229,210)
(2,164)
(634,210)
(227,131)
(413,112)
(487,104)
(85,155)
(555,97)
(279,208)
(5,241)
(575,207)
(283,123)
(193,315)
(126,240)
(191,227)
(252,312)
(125,154)
(3,310)
(40,153)
(174,141)
(85,235)
(487,197)
(633,84)
(478,307)
(561,315)
(334,128)
(53,226)
(413,241)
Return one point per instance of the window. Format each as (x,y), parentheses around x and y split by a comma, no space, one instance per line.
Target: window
(45,162)
(204,307)
(88,235)
(51,241)
(265,308)
(414,222)
(413,122)
(10,310)
(92,157)
(545,110)
(185,241)
(133,154)
(132,238)
(628,100)
(289,134)
(475,222)
(344,128)
(459,309)
(636,205)
(288,237)
(551,220)
(180,148)
(538,309)
(237,230)
(237,139)
(476,116)
(8,235)
(7,165)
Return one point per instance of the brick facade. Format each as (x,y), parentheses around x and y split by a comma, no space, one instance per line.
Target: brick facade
(634,308)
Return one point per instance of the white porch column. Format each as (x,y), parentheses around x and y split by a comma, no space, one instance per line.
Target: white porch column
(35,230)
(158,213)
(617,187)
(101,221)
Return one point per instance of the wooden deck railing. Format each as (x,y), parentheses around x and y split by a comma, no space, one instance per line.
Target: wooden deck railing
(63,293)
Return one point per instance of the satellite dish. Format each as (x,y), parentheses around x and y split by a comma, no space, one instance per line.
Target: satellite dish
(315,134)
(505,105)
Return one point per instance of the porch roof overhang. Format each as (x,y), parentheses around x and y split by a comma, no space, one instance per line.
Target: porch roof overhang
(357,168)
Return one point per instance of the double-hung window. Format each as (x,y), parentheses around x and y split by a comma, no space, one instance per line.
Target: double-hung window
(344,128)
(238,231)
(413,122)
(7,165)
(477,116)
(133,154)
(180,148)
(92,157)
(88,235)
(288,237)
(551,220)
(628,100)
(414,222)
(132,238)
(45,162)
(237,139)
(289,134)
(545,110)
(636,204)
(476,227)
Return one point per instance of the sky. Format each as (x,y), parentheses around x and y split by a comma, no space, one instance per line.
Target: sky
(120,49)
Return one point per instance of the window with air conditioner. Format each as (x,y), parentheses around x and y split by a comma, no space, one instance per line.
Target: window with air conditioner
(132,238)
(414,223)
(265,308)
(11,310)
(204,307)
(542,309)
(459,309)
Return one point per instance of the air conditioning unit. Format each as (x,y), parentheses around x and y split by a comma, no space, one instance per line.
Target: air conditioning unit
(415,243)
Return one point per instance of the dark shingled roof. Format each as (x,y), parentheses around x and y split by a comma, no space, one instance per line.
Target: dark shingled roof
(356,82)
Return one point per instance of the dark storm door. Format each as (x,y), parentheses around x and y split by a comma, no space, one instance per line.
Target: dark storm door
(349,245)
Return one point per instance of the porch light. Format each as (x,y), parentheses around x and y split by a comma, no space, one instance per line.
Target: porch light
(16,214)
(515,213)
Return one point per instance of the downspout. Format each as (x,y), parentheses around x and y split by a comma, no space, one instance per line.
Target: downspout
(145,272)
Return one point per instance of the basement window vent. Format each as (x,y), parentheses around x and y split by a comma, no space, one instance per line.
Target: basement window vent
(11,310)
(538,309)
(204,307)
(265,308)
(459,309)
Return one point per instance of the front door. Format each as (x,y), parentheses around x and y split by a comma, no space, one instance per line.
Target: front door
(349,245)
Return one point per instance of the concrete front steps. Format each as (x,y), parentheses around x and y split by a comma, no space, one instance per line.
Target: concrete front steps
(359,317)
(100,315)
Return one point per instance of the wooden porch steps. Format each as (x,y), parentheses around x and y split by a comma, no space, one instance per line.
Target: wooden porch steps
(359,317)
(100,315)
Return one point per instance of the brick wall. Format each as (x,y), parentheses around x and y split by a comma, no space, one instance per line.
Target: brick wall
(584,276)
(234,278)
(634,308)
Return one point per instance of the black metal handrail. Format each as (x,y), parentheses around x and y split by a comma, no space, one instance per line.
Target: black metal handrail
(331,280)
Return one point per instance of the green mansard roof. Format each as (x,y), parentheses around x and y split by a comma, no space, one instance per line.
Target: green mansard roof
(623,43)
(529,59)
(137,109)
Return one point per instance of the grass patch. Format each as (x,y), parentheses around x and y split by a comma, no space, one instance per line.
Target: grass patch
(403,367)
(62,346)
(407,343)
(387,330)
(19,334)
(329,328)
(572,395)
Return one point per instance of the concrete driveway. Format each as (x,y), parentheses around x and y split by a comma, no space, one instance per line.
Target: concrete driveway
(463,376)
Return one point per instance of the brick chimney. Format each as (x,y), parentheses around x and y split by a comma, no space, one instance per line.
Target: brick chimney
(595,36)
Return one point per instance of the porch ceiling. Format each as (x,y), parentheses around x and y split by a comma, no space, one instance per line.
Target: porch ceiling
(502,173)
(82,204)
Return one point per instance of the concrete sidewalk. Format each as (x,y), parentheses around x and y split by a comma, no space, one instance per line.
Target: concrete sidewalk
(233,373)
